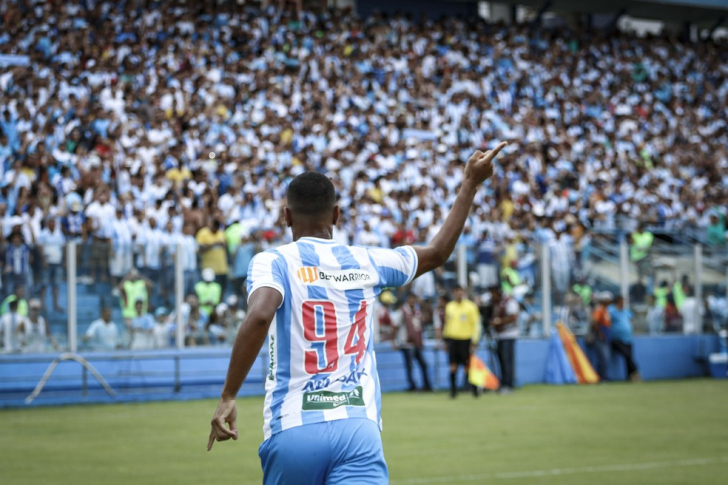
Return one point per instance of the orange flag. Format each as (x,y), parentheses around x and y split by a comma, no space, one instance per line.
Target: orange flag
(582,367)
(479,375)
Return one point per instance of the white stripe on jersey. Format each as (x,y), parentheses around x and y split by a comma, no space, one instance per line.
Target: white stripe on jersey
(321,328)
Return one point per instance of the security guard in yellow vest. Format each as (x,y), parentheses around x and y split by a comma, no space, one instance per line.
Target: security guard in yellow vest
(661,293)
(209,293)
(134,287)
(462,334)
(641,242)
(510,278)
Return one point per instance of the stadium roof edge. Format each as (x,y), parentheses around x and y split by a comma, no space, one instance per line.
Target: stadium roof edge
(700,12)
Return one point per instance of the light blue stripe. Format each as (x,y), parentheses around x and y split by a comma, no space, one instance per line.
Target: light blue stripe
(388,276)
(310,258)
(283,347)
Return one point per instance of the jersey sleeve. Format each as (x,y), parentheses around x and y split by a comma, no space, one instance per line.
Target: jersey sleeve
(266,270)
(395,267)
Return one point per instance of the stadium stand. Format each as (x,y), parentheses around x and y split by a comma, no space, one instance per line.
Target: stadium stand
(138,131)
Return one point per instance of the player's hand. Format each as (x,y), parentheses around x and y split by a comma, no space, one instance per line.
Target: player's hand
(480,165)
(226,412)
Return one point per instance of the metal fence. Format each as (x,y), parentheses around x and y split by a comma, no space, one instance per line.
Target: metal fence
(92,296)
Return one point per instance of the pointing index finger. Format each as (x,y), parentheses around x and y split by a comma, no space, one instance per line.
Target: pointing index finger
(211,442)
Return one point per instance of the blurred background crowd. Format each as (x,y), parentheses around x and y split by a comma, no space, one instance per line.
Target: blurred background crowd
(144,129)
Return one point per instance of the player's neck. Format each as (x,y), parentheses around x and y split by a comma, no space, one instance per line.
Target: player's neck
(317,231)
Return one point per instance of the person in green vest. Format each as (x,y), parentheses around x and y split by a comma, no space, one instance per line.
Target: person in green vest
(661,293)
(678,291)
(233,234)
(584,291)
(18,295)
(639,250)
(510,278)
(209,292)
(132,288)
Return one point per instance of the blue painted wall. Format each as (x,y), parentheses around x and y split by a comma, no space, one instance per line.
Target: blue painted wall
(141,376)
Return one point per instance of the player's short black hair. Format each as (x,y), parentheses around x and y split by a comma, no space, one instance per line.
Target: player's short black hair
(311,194)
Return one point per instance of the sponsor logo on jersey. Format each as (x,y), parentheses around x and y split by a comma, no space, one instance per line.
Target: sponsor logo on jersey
(323,400)
(308,274)
(340,279)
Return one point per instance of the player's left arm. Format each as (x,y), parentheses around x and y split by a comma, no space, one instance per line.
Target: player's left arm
(262,306)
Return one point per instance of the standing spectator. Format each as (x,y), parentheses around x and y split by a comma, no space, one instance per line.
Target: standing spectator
(691,310)
(598,336)
(620,335)
(408,339)
(242,255)
(716,231)
(100,212)
(487,262)
(189,258)
(639,250)
(462,334)
(208,291)
(655,316)
(34,332)
(141,327)
(10,322)
(505,323)
(562,261)
(150,241)
(122,251)
(211,241)
(103,334)
(53,243)
(17,262)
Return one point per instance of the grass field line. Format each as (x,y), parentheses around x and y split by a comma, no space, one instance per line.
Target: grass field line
(564,471)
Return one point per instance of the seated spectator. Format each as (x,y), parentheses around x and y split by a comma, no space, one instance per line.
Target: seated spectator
(195,323)
(162,333)
(103,334)
(209,292)
(34,332)
(10,323)
(141,327)
(18,296)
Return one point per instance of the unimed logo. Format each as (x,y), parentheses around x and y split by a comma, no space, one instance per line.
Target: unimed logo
(308,274)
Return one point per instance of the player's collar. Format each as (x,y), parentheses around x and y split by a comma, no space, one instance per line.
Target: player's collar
(317,240)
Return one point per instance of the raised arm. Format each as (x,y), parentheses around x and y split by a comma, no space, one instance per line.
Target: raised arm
(478,169)
(262,308)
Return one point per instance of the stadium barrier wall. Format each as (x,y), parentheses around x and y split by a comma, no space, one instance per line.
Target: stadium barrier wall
(199,373)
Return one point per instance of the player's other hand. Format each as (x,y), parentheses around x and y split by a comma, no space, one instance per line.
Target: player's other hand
(480,165)
(226,413)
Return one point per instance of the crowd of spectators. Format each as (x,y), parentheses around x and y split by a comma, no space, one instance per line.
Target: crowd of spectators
(137,127)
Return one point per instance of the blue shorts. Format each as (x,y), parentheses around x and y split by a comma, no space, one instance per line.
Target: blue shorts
(346,451)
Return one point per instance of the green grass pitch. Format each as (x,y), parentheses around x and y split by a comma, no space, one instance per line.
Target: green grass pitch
(650,433)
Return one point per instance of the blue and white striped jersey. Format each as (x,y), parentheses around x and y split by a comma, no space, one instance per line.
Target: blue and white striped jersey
(322,363)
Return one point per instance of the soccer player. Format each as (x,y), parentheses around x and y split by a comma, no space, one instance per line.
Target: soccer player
(314,300)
